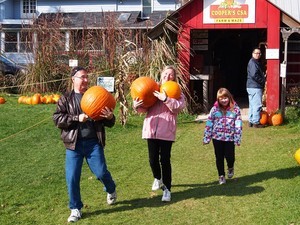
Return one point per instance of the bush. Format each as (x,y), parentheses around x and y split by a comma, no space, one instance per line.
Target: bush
(292,114)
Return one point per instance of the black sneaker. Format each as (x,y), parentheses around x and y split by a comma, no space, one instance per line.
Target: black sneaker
(250,124)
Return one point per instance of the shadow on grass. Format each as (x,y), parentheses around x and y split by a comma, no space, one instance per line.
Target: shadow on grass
(235,187)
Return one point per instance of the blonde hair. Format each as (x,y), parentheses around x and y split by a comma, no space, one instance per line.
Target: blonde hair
(223,92)
(172,68)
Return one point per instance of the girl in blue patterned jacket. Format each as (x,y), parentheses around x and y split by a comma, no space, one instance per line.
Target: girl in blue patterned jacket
(224,127)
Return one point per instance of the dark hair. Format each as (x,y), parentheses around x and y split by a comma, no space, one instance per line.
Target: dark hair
(76,69)
(256,48)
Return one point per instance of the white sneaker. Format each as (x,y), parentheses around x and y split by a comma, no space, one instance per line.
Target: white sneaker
(156,184)
(111,198)
(222,180)
(75,215)
(166,196)
(230,173)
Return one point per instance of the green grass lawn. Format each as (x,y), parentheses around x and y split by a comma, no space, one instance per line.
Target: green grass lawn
(265,189)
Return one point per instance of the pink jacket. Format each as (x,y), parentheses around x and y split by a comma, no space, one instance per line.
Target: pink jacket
(160,121)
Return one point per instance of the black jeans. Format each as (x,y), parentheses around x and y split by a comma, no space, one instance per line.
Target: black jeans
(224,149)
(160,160)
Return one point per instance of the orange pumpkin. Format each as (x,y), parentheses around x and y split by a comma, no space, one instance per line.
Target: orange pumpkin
(2,100)
(263,118)
(44,99)
(94,100)
(21,99)
(171,88)
(297,156)
(28,100)
(36,99)
(24,99)
(277,119)
(56,98)
(143,88)
(270,118)
(49,99)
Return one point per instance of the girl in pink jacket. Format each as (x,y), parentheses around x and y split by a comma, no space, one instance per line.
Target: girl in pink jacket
(159,129)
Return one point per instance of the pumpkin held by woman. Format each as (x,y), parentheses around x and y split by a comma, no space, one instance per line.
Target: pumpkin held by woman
(143,88)
(94,100)
(171,88)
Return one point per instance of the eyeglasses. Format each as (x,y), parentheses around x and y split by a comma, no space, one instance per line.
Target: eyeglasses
(82,78)
(257,53)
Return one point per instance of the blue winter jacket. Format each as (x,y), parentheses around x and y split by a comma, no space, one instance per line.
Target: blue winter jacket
(223,126)
(255,77)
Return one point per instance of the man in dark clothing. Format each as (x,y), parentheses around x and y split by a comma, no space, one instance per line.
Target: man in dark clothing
(255,86)
(83,138)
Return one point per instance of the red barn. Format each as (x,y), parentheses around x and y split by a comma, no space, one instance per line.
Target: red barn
(220,36)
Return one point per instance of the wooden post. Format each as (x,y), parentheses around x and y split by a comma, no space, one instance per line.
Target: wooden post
(286,32)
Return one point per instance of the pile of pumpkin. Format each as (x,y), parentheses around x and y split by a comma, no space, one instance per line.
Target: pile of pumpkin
(39,99)
(271,119)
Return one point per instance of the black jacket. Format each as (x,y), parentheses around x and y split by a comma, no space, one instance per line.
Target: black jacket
(66,117)
(255,77)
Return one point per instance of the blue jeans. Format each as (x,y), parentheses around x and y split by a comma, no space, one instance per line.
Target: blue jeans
(255,104)
(94,155)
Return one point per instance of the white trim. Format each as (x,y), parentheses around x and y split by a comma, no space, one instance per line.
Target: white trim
(27,15)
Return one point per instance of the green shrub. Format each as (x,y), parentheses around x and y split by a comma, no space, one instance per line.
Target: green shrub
(292,114)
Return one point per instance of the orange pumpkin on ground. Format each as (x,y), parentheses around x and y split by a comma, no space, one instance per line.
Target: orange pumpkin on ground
(277,119)
(28,100)
(24,99)
(143,88)
(36,99)
(263,117)
(21,99)
(2,100)
(56,98)
(270,118)
(49,99)
(297,156)
(94,100)
(171,88)
(44,99)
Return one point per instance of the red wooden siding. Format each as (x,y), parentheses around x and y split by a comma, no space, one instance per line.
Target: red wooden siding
(273,40)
